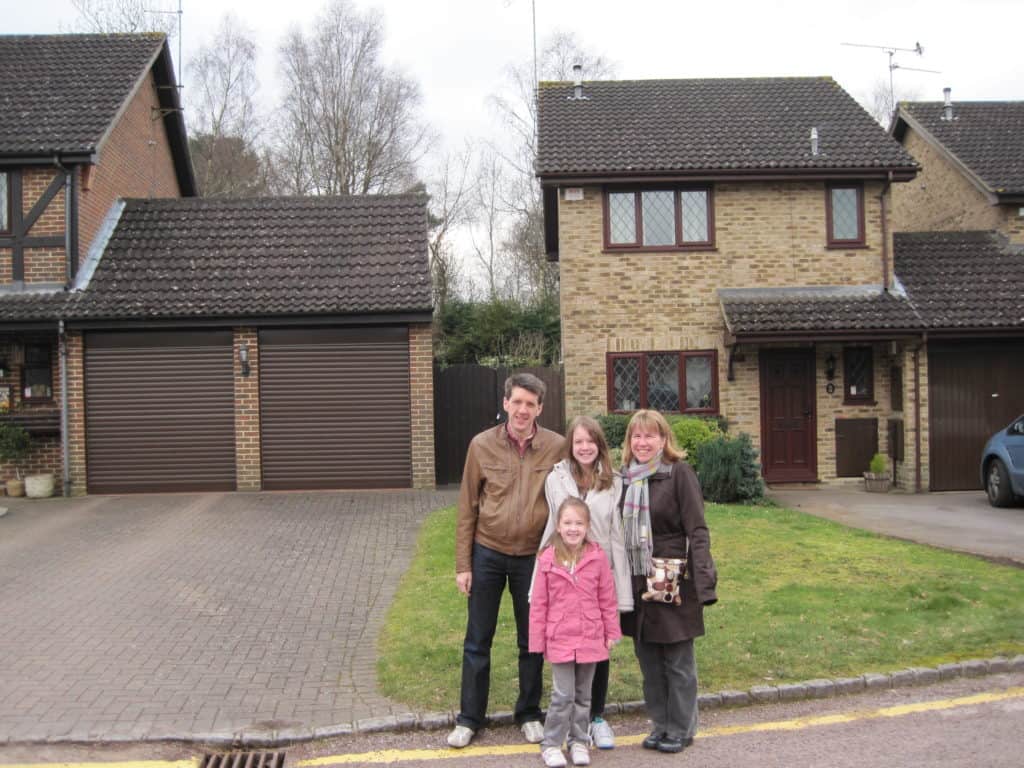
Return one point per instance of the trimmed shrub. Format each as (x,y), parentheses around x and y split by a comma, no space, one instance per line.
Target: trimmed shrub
(729,470)
(614,427)
(879,464)
(691,432)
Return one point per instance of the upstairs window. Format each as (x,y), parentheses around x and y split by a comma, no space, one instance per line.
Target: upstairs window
(5,203)
(844,205)
(659,219)
(37,373)
(674,382)
(859,376)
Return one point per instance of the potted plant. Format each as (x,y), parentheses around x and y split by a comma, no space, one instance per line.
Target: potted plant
(878,479)
(14,447)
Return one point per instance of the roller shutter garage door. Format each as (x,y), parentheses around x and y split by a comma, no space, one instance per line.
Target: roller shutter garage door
(974,389)
(334,408)
(159,411)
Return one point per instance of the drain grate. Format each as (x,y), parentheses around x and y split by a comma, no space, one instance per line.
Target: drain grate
(244,760)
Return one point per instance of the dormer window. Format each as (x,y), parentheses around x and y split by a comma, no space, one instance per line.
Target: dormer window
(5,203)
(844,204)
(663,218)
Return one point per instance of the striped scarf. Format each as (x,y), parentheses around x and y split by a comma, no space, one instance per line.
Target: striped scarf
(636,515)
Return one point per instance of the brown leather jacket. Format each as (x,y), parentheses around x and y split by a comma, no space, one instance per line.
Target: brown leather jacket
(502,504)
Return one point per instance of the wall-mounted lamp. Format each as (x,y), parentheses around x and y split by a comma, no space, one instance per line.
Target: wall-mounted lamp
(243,359)
(830,367)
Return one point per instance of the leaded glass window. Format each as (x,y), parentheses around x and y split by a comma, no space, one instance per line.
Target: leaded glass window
(626,377)
(699,382)
(657,379)
(845,215)
(622,217)
(694,205)
(659,217)
(858,374)
(663,382)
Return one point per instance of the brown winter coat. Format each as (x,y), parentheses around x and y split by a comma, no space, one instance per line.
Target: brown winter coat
(677,511)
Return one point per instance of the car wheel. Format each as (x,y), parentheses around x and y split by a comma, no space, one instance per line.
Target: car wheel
(997,484)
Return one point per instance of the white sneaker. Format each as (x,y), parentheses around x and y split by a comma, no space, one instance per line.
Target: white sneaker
(602,734)
(534,732)
(553,757)
(579,753)
(460,736)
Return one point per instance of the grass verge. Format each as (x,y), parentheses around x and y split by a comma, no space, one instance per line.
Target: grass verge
(799,598)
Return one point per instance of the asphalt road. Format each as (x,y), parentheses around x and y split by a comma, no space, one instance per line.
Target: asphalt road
(976,722)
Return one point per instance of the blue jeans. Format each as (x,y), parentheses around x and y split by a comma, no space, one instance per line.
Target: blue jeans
(491,571)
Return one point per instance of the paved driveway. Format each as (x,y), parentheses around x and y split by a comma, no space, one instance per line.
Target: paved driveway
(958,520)
(127,617)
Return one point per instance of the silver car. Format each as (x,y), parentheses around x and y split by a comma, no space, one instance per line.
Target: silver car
(1002,465)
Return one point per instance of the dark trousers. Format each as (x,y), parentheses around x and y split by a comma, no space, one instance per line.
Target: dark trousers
(670,686)
(599,689)
(491,571)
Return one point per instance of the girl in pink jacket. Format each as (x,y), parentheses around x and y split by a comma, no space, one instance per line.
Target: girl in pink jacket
(574,622)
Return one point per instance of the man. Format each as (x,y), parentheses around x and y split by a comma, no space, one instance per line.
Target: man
(502,512)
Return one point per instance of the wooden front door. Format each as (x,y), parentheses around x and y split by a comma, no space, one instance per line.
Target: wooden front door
(788,435)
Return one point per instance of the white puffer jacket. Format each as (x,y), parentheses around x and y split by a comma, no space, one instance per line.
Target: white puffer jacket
(605,524)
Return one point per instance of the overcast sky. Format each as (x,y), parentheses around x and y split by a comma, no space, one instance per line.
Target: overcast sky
(459,50)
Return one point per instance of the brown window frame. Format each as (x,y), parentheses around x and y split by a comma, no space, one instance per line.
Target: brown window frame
(679,245)
(683,355)
(5,210)
(861,239)
(26,367)
(868,398)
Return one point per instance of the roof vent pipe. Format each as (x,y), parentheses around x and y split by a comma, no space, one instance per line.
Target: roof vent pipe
(947,107)
(814,141)
(577,81)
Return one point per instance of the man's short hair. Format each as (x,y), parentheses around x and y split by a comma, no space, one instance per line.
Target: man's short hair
(526,381)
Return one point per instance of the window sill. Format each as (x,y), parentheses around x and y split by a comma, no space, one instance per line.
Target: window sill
(613,249)
(847,247)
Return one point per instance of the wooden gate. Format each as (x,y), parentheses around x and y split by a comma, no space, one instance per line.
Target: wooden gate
(467,400)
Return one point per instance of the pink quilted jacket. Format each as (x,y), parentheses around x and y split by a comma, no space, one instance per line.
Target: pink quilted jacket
(573,615)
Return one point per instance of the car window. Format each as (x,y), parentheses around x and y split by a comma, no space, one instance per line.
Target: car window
(1017,428)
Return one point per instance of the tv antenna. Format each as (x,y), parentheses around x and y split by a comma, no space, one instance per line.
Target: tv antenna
(893,65)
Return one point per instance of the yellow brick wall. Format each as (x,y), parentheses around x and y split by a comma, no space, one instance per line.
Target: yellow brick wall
(421,391)
(248,455)
(767,234)
(76,412)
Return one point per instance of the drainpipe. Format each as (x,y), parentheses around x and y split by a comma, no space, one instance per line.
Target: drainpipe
(885,233)
(65,447)
(917,412)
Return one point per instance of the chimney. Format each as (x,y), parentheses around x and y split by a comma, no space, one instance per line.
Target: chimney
(814,141)
(947,108)
(577,78)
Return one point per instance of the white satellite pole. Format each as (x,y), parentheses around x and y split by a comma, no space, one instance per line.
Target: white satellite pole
(893,66)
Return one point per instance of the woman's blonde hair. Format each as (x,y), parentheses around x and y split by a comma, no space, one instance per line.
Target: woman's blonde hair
(562,552)
(652,420)
(598,477)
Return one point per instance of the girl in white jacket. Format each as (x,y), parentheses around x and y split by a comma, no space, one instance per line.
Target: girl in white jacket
(586,473)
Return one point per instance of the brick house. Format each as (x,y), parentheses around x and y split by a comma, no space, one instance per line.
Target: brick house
(725,249)
(959,252)
(84,119)
(202,344)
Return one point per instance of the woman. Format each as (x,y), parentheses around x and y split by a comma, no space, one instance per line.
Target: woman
(663,517)
(585,472)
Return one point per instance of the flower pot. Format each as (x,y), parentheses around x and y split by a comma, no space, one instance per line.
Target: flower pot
(15,487)
(39,486)
(877,483)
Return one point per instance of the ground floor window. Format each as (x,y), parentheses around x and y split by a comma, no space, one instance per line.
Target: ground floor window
(37,374)
(674,382)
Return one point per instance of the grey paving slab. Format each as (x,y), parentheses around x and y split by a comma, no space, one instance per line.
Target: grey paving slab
(131,617)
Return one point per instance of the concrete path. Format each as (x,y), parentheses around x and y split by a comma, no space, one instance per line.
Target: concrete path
(138,617)
(957,520)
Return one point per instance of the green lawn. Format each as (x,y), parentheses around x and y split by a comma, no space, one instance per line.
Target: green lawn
(799,598)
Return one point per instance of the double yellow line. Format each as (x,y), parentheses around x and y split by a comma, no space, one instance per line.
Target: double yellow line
(422,755)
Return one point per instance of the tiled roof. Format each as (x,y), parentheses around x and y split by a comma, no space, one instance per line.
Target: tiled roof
(32,306)
(60,93)
(198,258)
(824,308)
(986,136)
(755,125)
(962,279)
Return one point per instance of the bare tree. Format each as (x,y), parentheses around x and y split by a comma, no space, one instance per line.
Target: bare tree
(126,16)
(487,230)
(520,195)
(222,113)
(450,189)
(880,103)
(349,124)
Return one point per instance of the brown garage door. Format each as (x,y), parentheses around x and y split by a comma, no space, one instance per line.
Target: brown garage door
(159,412)
(334,408)
(974,388)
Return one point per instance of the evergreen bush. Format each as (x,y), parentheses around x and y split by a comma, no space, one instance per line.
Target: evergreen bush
(14,445)
(614,427)
(691,432)
(879,464)
(729,470)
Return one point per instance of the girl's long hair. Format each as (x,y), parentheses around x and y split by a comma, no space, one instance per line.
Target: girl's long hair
(652,420)
(562,552)
(599,476)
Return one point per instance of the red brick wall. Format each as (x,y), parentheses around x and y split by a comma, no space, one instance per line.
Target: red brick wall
(135,161)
